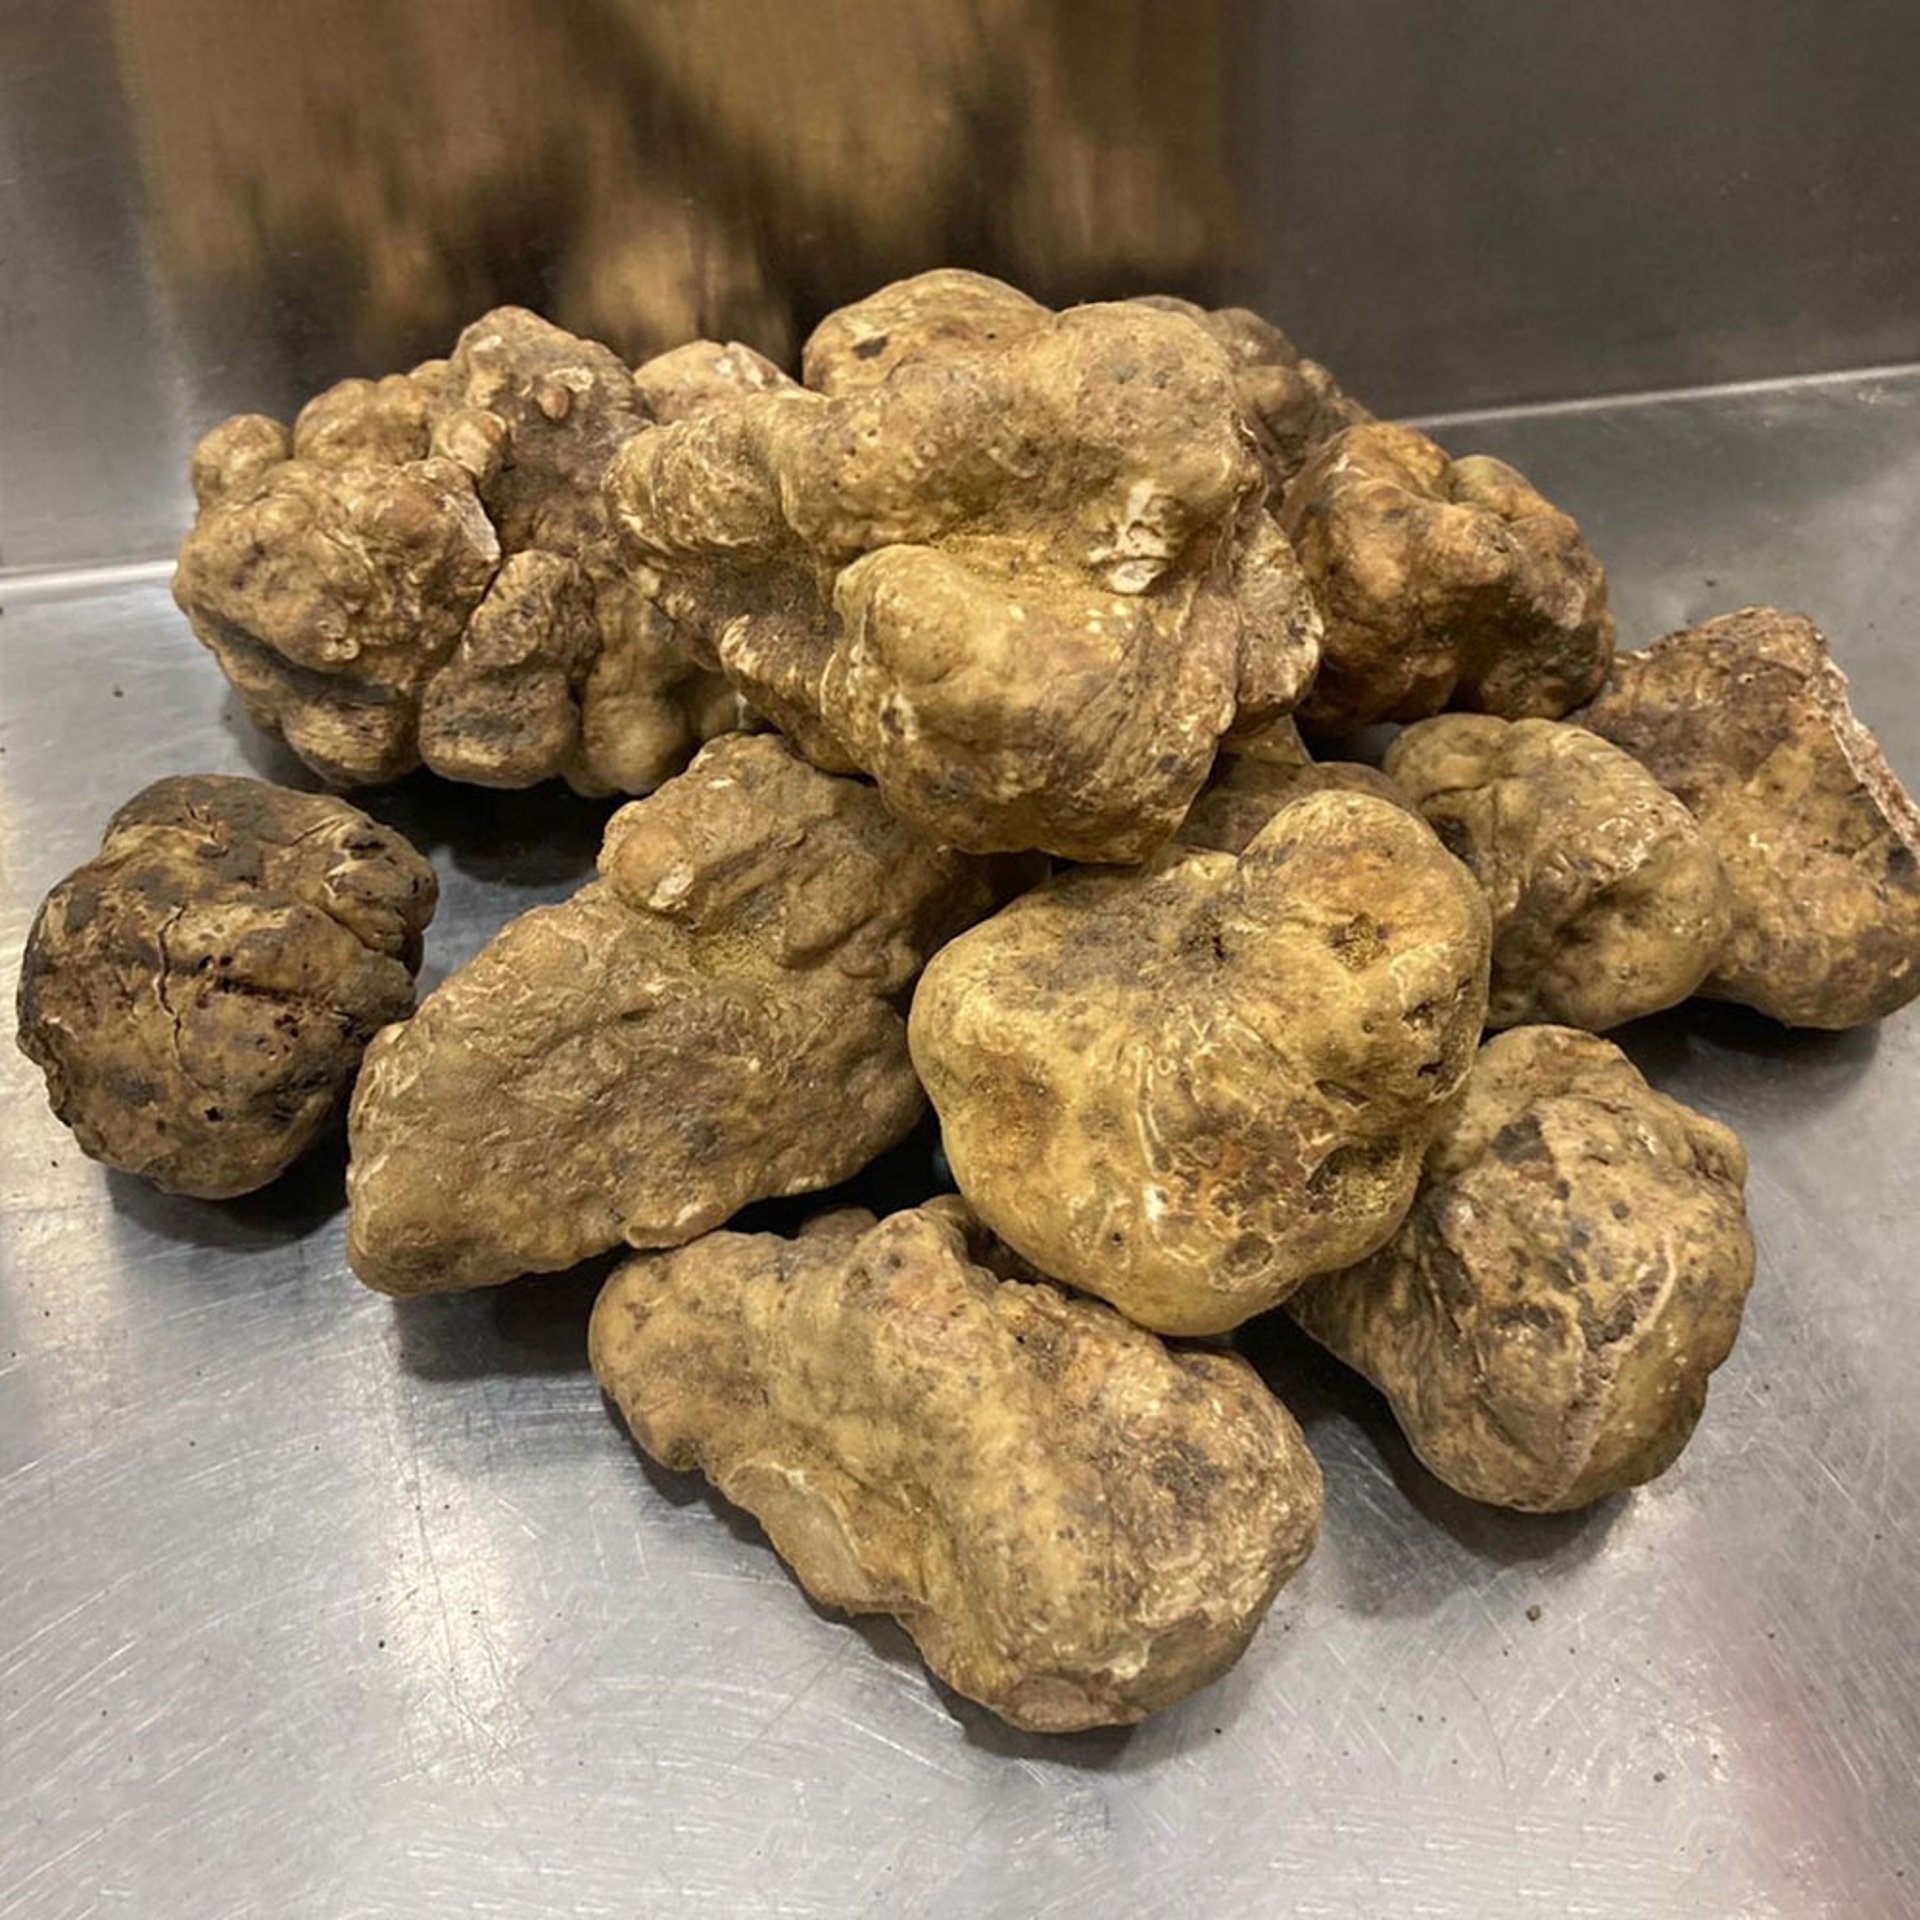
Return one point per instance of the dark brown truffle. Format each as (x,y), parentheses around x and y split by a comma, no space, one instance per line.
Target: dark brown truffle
(199,993)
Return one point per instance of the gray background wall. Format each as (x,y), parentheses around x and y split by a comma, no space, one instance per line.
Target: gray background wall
(214,204)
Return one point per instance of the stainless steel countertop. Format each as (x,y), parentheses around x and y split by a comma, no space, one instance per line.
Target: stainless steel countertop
(317,1605)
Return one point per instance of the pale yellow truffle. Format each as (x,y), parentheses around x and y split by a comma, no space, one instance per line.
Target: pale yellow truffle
(1078,1526)
(1014,564)
(1188,1089)
(1607,901)
(422,573)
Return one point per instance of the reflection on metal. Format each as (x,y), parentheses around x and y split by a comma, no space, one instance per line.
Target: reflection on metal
(649,172)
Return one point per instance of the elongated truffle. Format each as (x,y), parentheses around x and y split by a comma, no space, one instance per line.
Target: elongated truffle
(1077,1525)
(716,1019)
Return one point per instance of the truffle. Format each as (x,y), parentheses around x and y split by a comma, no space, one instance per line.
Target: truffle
(199,993)
(1607,901)
(1077,1525)
(422,573)
(716,1019)
(1443,583)
(1013,564)
(1188,1089)
(1746,719)
(1544,1322)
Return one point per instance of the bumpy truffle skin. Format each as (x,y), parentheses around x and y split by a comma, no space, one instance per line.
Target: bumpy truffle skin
(715,1020)
(1443,583)
(423,571)
(689,380)
(1292,404)
(930,317)
(330,594)
(1248,788)
(1746,719)
(1077,1526)
(199,993)
(1188,1089)
(1607,901)
(1024,580)
(1544,1322)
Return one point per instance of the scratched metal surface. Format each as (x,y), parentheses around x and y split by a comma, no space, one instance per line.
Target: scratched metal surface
(315,1605)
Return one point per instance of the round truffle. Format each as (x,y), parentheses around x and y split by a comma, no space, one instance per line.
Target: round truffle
(1544,1321)
(200,992)
(1607,901)
(1188,1089)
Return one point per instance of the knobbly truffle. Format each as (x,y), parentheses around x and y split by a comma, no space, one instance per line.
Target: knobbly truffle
(1189,1088)
(689,380)
(1443,583)
(1607,901)
(1078,1526)
(1746,719)
(930,317)
(421,572)
(1291,404)
(1013,564)
(718,1018)
(199,993)
(1544,1322)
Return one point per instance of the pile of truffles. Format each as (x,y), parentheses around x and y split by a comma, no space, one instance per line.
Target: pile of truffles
(977,694)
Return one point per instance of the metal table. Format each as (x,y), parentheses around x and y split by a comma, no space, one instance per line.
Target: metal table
(313,1604)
